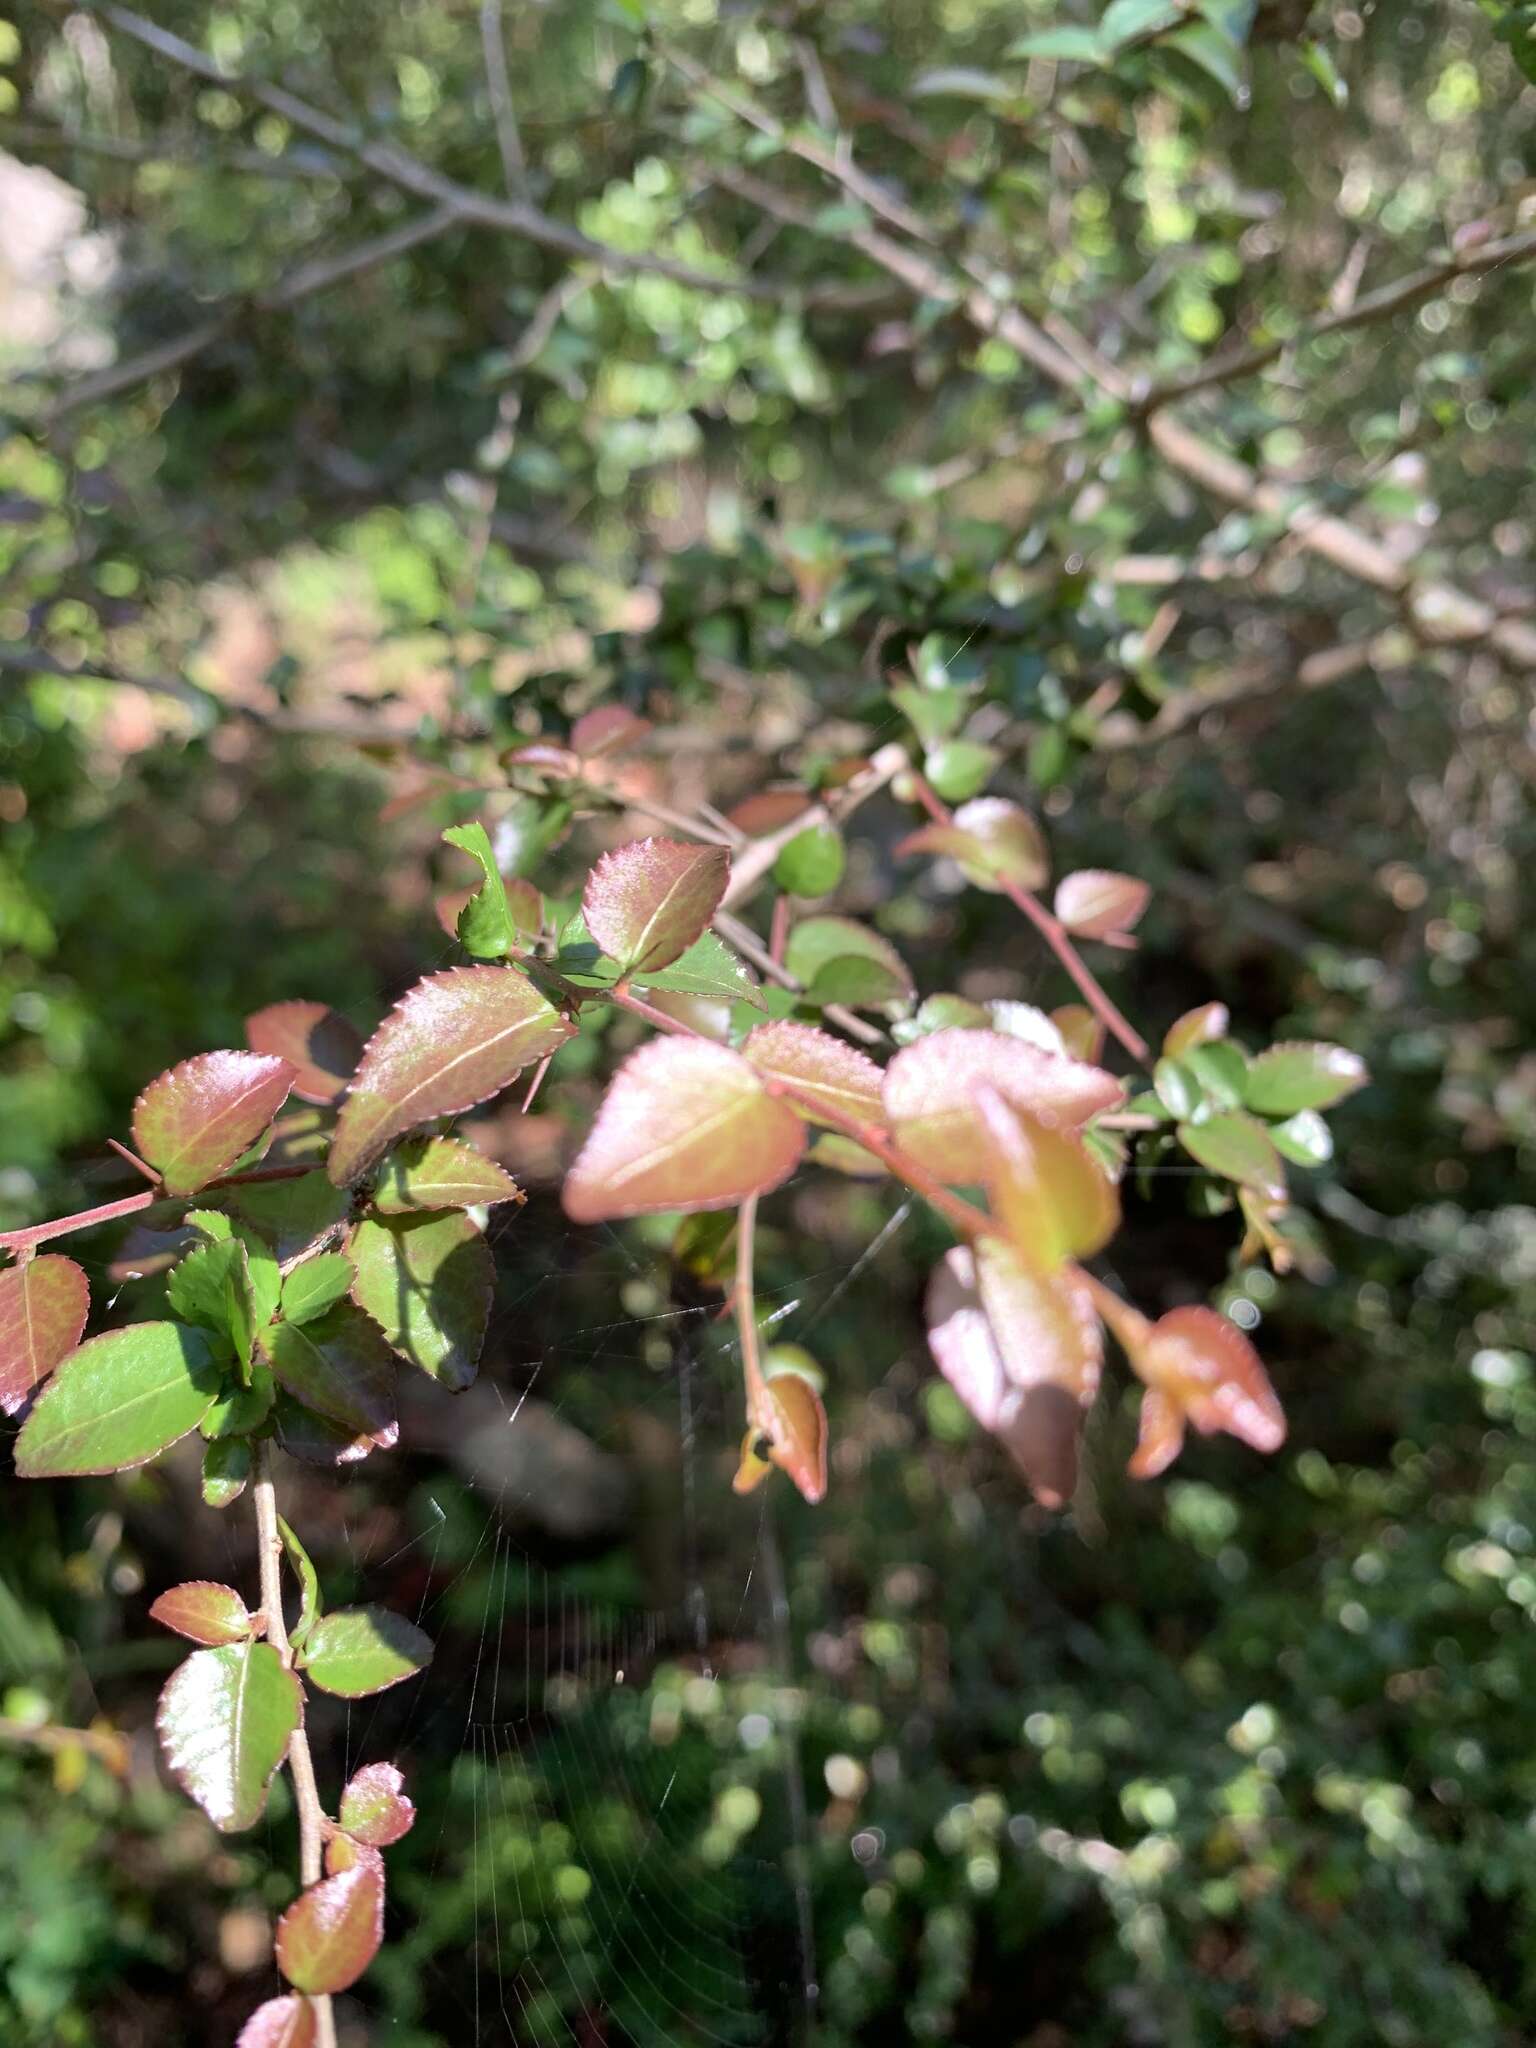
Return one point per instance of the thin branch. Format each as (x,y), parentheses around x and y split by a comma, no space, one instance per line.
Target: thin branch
(27,1240)
(301,1766)
(514,164)
(743,1299)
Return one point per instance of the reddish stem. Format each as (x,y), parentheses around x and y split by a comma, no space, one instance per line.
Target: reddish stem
(86,1219)
(139,1165)
(778,930)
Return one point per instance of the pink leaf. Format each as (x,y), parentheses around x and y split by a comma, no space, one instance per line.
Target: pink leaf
(331,1933)
(449,1042)
(993,842)
(43,1307)
(374,1808)
(194,1122)
(830,1072)
(647,902)
(685,1125)
(930,1093)
(318,1042)
(1205,1368)
(770,810)
(204,1612)
(280,2023)
(610,729)
(1097,904)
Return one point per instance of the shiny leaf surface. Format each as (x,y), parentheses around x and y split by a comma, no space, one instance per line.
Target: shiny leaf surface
(120,1400)
(321,1046)
(646,903)
(224,1721)
(374,1808)
(194,1122)
(332,1931)
(43,1307)
(204,1612)
(930,1093)
(439,1173)
(360,1650)
(426,1282)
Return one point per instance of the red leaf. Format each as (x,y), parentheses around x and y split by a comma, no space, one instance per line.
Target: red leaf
(318,1042)
(1098,904)
(1054,1202)
(930,1092)
(830,1071)
(331,1933)
(1159,1437)
(194,1122)
(43,1307)
(992,841)
(1206,1370)
(205,1612)
(280,2023)
(684,1125)
(769,811)
(374,1808)
(647,902)
(449,1042)
(610,729)
(797,1438)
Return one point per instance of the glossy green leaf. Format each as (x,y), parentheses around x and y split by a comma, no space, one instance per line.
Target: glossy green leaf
(1238,1148)
(359,1650)
(321,1046)
(120,1400)
(261,1265)
(812,863)
(226,1471)
(314,1439)
(958,768)
(43,1307)
(840,961)
(212,1288)
(485,925)
(1178,1087)
(340,1367)
(304,1571)
(224,1721)
(332,1931)
(1304,1137)
(439,1173)
(426,1281)
(709,968)
(1063,45)
(1296,1075)
(194,1122)
(646,903)
(684,1125)
(1216,55)
(374,1808)
(205,1612)
(316,1285)
(453,1040)
(1222,1071)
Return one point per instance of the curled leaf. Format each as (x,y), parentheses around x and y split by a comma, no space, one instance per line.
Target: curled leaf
(195,1121)
(795,1433)
(321,1046)
(992,841)
(1203,1370)
(374,1808)
(684,1125)
(485,925)
(43,1307)
(931,1087)
(332,1931)
(451,1041)
(647,902)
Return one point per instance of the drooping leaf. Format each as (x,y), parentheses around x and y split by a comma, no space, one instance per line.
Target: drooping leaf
(993,843)
(318,1284)
(374,1808)
(321,1046)
(359,1650)
(340,1367)
(280,2023)
(1097,904)
(332,1931)
(43,1307)
(205,1612)
(485,925)
(684,1125)
(315,1440)
(1238,1148)
(812,863)
(453,1040)
(646,903)
(212,1288)
(439,1173)
(1052,1199)
(793,1437)
(840,961)
(303,1569)
(194,1122)
(930,1093)
(226,1470)
(224,1721)
(1210,1020)
(1294,1075)
(426,1281)
(120,1400)
(708,968)
(832,1073)
(1204,1370)
(290,1214)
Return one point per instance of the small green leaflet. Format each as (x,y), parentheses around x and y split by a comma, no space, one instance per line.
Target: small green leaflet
(309,1585)
(309,1290)
(212,1288)
(485,927)
(707,968)
(361,1650)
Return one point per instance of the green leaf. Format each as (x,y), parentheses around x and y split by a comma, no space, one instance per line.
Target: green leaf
(647,902)
(120,1400)
(812,863)
(843,962)
(685,1124)
(212,1288)
(1126,21)
(1221,1069)
(1318,59)
(1216,55)
(374,1808)
(194,1122)
(1178,1088)
(362,1650)
(958,768)
(439,1173)
(1238,1148)
(310,1289)
(709,968)
(1064,45)
(451,1041)
(224,1722)
(332,1931)
(226,1468)
(934,714)
(205,1612)
(486,926)
(43,1307)
(289,1214)
(426,1281)
(237,1410)
(321,1046)
(309,1585)
(1297,1075)
(1304,1137)
(340,1368)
